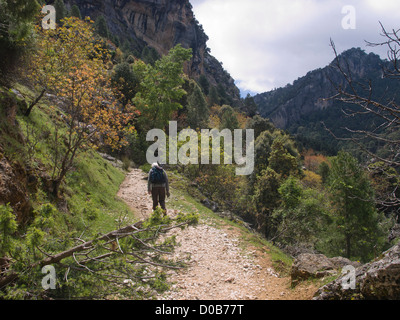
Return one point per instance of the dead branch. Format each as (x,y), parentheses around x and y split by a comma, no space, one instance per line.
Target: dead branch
(89,246)
(389,112)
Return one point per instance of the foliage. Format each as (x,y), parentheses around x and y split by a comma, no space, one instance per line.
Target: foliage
(323,171)
(282,161)
(355,215)
(125,81)
(75,12)
(16,17)
(204,84)
(160,87)
(259,125)
(385,181)
(61,11)
(229,118)
(249,106)
(101,27)
(265,199)
(198,112)
(16,32)
(149,55)
(312,161)
(218,182)
(302,216)
(311,179)
(70,64)
(127,263)
(8,226)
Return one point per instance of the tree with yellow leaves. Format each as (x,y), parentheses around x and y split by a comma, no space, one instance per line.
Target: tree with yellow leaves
(70,63)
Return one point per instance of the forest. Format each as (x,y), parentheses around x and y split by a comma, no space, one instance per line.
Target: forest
(73,91)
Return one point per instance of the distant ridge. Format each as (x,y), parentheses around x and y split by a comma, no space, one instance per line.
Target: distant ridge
(301,108)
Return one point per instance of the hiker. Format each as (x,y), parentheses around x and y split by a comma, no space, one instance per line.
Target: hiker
(158,186)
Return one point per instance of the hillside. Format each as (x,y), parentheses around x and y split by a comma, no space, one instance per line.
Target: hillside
(303,106)
(161,25)
(81,119)
(99,196)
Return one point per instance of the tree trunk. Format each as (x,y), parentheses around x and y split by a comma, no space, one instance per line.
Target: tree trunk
(348,250)
(35,102)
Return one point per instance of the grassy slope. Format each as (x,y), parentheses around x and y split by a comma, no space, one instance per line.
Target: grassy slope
(90,189)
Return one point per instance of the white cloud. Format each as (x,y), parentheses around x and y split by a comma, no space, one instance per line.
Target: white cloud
(268,43)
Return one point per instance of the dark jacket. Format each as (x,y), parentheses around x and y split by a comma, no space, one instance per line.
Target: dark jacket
(163,185)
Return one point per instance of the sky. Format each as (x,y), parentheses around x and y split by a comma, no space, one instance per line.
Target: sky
(266,44)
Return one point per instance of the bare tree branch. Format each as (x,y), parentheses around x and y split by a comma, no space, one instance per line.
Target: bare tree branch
(87,247)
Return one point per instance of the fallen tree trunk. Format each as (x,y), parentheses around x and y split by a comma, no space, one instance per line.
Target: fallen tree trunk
(88,245)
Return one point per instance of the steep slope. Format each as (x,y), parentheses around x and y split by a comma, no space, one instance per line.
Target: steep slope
(161,24)
(301,107)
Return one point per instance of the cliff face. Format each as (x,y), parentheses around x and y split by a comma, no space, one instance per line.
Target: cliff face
(161,24)
(304,107)
(306,96)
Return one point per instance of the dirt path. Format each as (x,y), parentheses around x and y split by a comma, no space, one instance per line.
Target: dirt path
(218,266)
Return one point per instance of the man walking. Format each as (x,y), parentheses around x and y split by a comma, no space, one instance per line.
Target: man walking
(158,186)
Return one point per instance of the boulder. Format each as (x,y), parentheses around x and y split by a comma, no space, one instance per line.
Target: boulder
(340,262)
(377,280)
(309,265)
(210,204)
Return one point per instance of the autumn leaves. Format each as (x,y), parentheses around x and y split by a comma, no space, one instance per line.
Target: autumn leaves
(70,62)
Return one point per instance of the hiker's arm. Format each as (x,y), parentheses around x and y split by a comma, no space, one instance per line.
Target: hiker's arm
(166,183)
(148,183)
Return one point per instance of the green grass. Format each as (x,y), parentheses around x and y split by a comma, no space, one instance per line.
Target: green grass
(91,192)
(89,199)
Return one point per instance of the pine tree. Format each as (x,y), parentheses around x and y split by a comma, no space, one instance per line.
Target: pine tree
(228,119)
(356,219)
(265,199)
(198,111)
(213,98)
(102,27)
(204,84)
(250,107)
(16,18)
(61,10)
(75,12)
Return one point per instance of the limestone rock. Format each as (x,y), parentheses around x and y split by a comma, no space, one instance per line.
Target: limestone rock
(377,280)
(210,204)
(309,265)
(161,24)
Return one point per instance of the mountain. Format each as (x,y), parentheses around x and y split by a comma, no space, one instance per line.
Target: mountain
(160,25)
(302,107)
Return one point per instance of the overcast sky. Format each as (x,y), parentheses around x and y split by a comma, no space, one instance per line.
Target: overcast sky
(266,44)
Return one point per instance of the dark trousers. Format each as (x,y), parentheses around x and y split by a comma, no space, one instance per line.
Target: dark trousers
(158,194)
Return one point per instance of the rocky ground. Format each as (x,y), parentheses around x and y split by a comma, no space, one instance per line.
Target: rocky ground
(220,265)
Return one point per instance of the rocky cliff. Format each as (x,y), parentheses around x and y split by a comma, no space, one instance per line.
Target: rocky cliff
(377,280)
(287,106)
(161,24)
(301,107)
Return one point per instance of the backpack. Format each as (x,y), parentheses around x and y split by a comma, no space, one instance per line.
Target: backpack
(157,176)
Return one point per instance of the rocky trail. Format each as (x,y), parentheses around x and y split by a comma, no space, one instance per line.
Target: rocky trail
(220,266)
